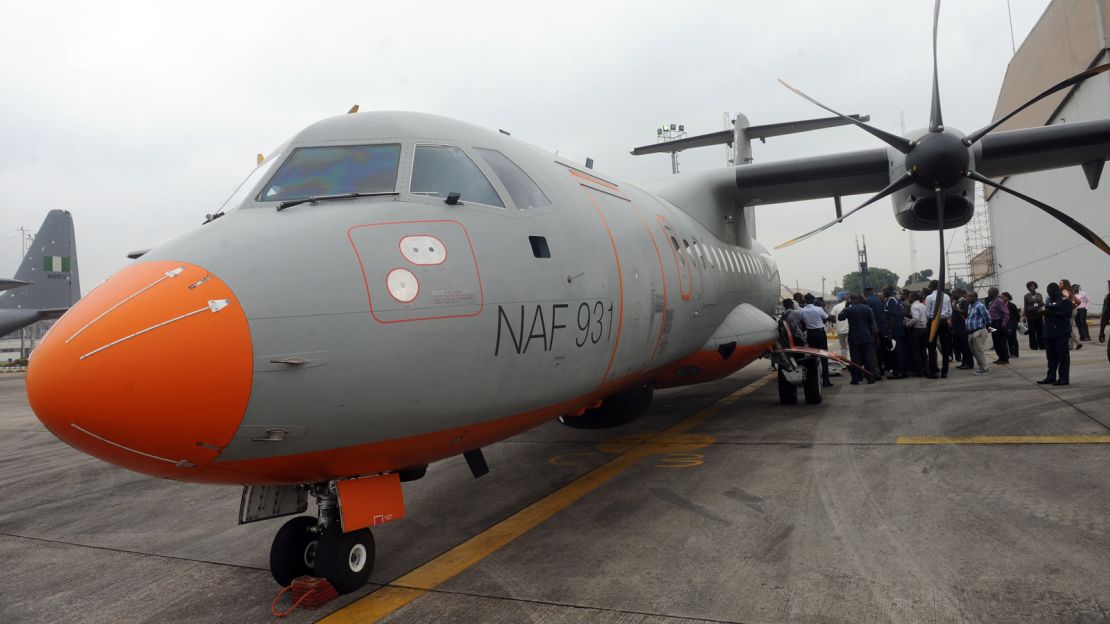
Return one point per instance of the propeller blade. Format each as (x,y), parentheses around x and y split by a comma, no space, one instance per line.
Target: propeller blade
(1074,80)
(934,327)
(1081,229)
(901,144)
(936,122)
(893,187)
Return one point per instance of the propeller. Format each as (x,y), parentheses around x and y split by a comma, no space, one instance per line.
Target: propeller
(893,187)
(941,159)
(901,144)
(939,304)
(1081,229)
(936,120)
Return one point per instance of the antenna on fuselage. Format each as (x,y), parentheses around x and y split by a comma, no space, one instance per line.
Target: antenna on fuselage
(354,109)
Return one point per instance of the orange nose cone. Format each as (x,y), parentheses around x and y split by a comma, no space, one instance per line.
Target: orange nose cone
(150,371)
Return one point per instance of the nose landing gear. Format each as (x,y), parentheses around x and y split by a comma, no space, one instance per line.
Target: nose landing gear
(306,546)
(293,552)
(345,559)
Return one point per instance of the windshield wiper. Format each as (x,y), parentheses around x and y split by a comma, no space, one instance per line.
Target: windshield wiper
(312,200)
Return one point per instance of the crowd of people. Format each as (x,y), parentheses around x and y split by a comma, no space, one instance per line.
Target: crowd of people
(888,333)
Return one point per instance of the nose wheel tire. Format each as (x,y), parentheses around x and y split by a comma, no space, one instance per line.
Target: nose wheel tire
(345,559)
(293,552)
(788,394)
(812,386)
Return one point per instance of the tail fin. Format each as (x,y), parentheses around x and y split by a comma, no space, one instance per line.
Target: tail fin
(49,268)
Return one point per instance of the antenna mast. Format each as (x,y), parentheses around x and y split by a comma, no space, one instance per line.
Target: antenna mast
(671,132)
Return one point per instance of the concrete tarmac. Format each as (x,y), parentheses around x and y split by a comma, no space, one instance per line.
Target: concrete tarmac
(747,511)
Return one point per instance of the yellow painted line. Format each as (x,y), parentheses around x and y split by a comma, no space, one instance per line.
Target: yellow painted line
(1007,439)
(441,569)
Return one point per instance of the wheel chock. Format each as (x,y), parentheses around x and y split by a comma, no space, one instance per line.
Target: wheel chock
(307,592)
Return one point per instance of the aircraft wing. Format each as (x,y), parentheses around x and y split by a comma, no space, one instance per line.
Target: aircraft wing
(996,155)
(51,313)
(7,284)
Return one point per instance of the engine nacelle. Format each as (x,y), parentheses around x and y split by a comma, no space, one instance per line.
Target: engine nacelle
(915,208)
(939,159)
(614,411)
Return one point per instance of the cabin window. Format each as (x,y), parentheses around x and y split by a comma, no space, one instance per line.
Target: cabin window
(539,246)
(522,189)
(693,257)
(315,171)
(441,169)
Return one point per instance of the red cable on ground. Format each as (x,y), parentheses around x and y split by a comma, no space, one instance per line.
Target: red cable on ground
(273,605)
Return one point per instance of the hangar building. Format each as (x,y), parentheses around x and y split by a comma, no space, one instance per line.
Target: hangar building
(1070,36)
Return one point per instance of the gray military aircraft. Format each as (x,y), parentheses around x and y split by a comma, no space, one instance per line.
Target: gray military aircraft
(389,289)
(46,283)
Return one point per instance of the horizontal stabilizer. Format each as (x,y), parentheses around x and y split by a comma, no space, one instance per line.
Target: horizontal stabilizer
(762,133)
(6,284)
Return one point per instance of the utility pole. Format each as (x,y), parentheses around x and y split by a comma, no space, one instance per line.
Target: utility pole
(24,238)
(671,132)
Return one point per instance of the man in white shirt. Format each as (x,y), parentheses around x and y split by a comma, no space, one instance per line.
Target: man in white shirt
(841,326)
(944,332)
(919,335)
(816,335)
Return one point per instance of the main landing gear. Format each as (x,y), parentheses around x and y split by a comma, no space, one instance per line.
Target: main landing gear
(306,546)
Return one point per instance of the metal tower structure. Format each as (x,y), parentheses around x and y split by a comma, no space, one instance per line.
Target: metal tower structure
(861,255)
(671,132)
(978,246)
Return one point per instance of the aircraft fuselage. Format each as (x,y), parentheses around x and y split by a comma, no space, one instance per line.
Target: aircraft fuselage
(371,334)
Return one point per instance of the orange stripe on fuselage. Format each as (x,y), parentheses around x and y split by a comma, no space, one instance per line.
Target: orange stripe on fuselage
(620,282)
(586,176)
(662,276)
(393,455)
(685,289)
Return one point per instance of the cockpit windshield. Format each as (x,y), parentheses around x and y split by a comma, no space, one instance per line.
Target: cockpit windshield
(253,178)
(439,170)
(315,171)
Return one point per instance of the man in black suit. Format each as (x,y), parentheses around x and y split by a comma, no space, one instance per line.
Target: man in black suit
(862,333)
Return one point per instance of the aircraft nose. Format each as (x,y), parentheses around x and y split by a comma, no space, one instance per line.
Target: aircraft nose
(150,371)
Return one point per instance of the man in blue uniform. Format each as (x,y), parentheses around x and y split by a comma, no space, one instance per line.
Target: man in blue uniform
(878,313)
(1057,330)
(862,332)
(896,329)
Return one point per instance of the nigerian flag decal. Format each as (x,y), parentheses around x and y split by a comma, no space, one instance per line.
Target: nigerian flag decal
(55,264)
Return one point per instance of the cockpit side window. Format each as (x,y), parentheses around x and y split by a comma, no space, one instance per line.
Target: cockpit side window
(315,171)
(441,169)
(522,189)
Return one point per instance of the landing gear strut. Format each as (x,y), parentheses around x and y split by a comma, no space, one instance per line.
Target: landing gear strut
(319,547)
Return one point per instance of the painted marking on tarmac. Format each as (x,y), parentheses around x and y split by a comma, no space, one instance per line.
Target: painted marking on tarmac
(681,460)
(1006,439)
(415,584)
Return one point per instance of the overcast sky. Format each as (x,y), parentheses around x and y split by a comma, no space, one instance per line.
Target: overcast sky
(140,117)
